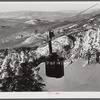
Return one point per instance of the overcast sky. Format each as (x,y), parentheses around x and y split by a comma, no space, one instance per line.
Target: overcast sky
(45,6)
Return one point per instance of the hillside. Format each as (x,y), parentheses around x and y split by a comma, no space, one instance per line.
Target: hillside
(37,15)
(16,28)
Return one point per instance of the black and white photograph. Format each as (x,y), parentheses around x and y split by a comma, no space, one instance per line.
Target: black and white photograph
(50,47)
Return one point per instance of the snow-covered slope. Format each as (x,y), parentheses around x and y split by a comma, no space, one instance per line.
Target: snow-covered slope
(31,22)
(57,46)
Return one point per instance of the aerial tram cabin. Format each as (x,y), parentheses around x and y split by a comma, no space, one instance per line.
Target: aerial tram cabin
(54,63)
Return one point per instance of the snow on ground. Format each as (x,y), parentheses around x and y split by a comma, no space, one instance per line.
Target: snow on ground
(32,22)
(76,78)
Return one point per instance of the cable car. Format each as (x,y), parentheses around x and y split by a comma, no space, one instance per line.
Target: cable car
(54,63)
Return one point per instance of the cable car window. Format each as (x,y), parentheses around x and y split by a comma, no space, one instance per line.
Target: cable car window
(58,63)
(50,63)
(57,59)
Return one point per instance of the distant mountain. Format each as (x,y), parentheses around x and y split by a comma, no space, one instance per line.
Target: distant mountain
(69,11)
(36,15)
(17,26)
(13,23)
